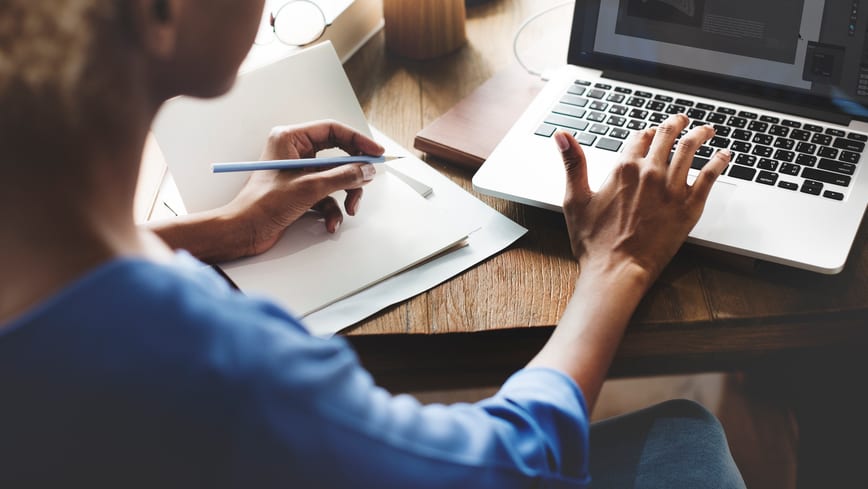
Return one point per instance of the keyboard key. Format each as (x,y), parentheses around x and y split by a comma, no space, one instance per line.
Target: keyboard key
(657,117)
(636,125)
(770,119)
(741,135)
(618,110)
(849,157)
(636,101)
(784,143)
(857,137)
(785,155)
(722,130)
(684,102)
(705,151)
(570,110)
(576,90)
(616,121)
(546,130)
(748,115)
(826,176)
(788,185)
(767,178)
(835,132)
(806,148)
(767,164)
(696,114)
(596,117)
(586,138)
(779,131)
(719,142)
(748,160)
(821,139)
(850,145)
(827,152)
(833,195)
(702,106)
(642,94)
(639,114)
(566,121)
(813,188)
(806,160)
(716,118)
(619,133)
(726,110)
(800,135)
(763,151)
(655,106)
(791,169)
(598,105)
(791,123)
(812,127)
(763,139)
(599,129)
(736,122)
(742,172)
(663,98)
(627,91)
(574,100)
(616,98)
(836,166)
(582,82)
(758,126)
(741,147)
(596,93)
(603,86)
(676,109)
(609,144)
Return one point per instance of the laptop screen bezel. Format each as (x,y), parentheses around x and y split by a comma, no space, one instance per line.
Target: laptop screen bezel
(581,53)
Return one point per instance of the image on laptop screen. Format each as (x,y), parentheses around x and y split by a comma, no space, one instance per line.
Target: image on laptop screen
(810,48)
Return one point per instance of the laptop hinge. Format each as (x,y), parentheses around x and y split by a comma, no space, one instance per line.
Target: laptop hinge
(764,103)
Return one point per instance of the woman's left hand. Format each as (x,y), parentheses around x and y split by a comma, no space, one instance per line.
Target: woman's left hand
(272,200)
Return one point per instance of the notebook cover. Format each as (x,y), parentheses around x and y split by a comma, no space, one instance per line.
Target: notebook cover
(468,133)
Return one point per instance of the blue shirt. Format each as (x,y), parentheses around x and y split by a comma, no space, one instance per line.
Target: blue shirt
(150,375)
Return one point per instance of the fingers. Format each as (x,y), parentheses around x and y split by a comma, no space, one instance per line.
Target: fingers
(639,144)
(685,151)
(708,175)
(331,213)
(665,137)
(351,202)
(341,178)
(575,165)
(333,134)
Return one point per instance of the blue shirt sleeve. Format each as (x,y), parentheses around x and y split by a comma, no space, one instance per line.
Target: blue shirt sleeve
(313,415)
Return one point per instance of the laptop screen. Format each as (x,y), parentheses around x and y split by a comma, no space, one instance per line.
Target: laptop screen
(810,52)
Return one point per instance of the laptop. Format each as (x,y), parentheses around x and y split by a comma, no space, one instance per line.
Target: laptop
(784,82)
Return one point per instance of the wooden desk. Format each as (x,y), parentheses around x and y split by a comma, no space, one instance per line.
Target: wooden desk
(707,312)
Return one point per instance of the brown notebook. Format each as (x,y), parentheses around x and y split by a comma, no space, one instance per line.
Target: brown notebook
(468,133)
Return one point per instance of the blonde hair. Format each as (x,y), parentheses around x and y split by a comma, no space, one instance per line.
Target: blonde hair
(45,45)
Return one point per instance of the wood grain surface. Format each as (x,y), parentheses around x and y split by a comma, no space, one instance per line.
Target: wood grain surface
(708,311)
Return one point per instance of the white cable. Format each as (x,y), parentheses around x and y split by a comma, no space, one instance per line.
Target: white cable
(524,25)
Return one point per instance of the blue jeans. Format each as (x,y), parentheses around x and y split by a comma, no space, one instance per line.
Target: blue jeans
(676,444)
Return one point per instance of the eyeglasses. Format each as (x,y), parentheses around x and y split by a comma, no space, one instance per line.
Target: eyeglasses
(296,23)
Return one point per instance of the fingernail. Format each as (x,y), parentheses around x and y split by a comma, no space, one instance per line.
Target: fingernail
(726,153)
(337,226)
(562,141)
(368,172)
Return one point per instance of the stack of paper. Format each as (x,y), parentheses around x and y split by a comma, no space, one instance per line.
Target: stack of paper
(394,249)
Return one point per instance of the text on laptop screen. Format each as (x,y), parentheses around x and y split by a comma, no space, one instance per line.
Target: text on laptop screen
(804,47)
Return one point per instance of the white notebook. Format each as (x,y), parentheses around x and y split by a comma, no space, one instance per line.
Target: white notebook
(309,268)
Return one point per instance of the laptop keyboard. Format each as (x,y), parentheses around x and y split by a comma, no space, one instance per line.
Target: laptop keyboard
(767,150)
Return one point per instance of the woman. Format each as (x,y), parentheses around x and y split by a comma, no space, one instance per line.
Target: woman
(126,364)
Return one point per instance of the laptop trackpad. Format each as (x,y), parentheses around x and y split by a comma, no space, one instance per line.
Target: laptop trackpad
(714,216)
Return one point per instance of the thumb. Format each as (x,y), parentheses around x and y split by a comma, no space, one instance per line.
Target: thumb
(575,164)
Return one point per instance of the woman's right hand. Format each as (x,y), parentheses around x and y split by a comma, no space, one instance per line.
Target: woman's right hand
(642,214)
